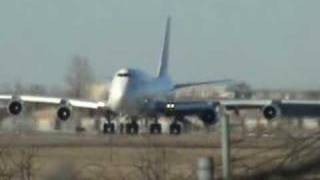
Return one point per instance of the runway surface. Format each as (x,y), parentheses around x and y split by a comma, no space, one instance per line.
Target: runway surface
(204,141)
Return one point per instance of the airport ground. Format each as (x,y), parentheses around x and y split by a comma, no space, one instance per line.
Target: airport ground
(280,154)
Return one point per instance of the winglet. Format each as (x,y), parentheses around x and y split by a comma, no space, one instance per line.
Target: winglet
(163,66)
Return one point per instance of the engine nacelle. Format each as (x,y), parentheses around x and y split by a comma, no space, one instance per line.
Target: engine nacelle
(15,107)
(271,111)
(208,117)
(64,111)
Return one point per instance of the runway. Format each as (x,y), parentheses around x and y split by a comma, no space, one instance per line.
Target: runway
(198,141)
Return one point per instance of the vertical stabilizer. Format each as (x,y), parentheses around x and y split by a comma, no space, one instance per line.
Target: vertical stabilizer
(163,66)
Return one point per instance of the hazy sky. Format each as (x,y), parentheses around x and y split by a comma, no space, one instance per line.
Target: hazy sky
(268,43)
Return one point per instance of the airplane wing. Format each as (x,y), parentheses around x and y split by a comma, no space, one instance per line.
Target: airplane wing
(15,104)
(55,101)
(271,109)
(244,104)
(223,81)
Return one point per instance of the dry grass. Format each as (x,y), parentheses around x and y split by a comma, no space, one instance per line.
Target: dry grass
(18,163)
(62,156)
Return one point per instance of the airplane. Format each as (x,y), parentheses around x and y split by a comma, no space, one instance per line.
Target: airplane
(134,93)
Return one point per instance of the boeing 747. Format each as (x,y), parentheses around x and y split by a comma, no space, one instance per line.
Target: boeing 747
(134,93)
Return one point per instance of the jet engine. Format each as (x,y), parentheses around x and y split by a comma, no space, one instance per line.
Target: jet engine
(208,117)
(64,111)
(271,111)
(15,107)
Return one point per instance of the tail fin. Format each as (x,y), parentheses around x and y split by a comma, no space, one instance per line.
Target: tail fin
(163,66)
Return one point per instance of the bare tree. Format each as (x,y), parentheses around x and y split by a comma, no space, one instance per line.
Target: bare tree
(37,89)
(18,88)
(18,163)
(6,88)
(79,77)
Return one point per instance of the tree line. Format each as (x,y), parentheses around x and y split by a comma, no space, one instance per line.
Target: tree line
(79,78)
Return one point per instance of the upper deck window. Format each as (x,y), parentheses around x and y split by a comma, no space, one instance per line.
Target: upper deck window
(124,75)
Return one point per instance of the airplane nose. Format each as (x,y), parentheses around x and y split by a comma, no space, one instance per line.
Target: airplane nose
(123,90)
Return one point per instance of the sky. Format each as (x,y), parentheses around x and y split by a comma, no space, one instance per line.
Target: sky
(267,43)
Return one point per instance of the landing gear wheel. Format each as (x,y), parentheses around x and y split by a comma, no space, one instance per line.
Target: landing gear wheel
(122,128)
(132,128)
(155,128)
(109,128)
(175,129)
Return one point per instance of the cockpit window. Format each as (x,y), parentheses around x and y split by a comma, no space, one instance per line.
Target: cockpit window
(124,75)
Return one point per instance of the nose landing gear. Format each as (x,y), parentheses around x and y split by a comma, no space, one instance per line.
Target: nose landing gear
(109,126)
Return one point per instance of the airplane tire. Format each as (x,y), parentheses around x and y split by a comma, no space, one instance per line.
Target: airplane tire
(135,128)
(132,128)
(155,128)
(122,128)
(128,128)
(109,128)
(175,129)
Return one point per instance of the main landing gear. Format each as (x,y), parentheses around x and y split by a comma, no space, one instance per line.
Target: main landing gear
(109,128)
(155,128)
(132,127)
(175,127)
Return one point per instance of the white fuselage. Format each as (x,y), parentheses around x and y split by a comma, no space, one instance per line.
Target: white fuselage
(131,89)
